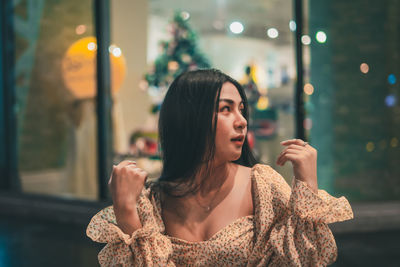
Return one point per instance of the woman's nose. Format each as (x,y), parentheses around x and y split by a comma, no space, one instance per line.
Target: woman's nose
(240,122)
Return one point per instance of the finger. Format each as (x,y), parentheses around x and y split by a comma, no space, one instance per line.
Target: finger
(292,147)
(291,157)
(287,152)
(296,149)
(288,141)
(308,148)
(132,166)
(130,162)
(291,150)
(293,141)
(126,163)
(137,170)
(110,180)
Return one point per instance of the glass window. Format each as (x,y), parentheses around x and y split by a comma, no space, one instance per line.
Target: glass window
(55,83)
(352,92)
(134,131)
(252,41)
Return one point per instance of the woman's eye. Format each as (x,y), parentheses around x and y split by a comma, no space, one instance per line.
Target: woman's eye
(225,108)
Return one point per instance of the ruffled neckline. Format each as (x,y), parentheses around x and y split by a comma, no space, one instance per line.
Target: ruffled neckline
(244,220)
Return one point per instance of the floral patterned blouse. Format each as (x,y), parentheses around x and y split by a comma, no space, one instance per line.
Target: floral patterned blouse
(288,228)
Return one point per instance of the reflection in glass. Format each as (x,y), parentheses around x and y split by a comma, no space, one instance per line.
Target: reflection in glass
(356,113)
(56,120)
(252,42)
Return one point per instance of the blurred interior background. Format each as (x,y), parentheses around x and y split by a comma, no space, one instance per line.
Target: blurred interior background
(81,84)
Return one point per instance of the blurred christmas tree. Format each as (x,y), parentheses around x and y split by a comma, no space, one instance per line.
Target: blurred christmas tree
(178,55)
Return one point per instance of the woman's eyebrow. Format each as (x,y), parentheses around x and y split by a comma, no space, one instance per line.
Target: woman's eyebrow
(230,101)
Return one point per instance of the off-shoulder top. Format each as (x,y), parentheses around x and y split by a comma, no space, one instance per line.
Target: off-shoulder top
(288,228)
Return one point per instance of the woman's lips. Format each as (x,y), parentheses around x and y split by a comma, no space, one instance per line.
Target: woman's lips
(238,142)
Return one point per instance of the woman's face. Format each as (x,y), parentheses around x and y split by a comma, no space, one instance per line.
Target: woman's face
(231,125)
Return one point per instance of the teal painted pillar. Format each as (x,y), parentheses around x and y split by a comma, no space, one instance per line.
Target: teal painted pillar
(320,69)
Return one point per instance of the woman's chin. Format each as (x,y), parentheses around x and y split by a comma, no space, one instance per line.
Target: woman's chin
(236,157)
(228,158)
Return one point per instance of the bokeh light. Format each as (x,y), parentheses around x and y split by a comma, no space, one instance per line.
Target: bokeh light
(308,89)
(306,40)
(370,146)
(115,50)
(292,25)
(236,27)
(394,142)
(364,68)
(307,124)
(272,33)
(321,37)
(185,15)
(80,29)
(390,100)
(173,65)
(92,46)
(392,79)
(262,103)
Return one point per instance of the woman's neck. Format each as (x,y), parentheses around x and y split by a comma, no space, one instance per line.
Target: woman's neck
(214,179)
(216,185)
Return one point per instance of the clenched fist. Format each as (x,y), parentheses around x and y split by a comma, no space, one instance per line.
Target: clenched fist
(126,184)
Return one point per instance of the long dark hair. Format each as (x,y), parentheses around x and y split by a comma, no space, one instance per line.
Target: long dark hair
(187,128)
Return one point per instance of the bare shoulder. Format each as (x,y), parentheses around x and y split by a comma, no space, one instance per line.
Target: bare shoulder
(244,168)
(244,189)
(257,170)
(243,173)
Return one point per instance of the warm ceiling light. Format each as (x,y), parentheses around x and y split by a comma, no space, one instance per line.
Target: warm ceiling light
(272,33)
(292,25)
(321,37)
(306,40)
(236,27)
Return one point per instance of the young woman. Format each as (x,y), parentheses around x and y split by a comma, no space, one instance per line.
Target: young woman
(213,205)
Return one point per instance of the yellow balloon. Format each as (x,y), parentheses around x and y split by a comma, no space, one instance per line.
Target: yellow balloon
(79,68)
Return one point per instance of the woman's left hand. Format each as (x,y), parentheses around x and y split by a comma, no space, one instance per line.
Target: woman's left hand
(304,161)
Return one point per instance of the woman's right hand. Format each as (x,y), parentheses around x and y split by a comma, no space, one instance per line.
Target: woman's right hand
(126,184)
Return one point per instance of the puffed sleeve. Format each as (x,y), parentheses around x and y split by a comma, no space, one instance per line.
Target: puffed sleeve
(292,222)
(144,247)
